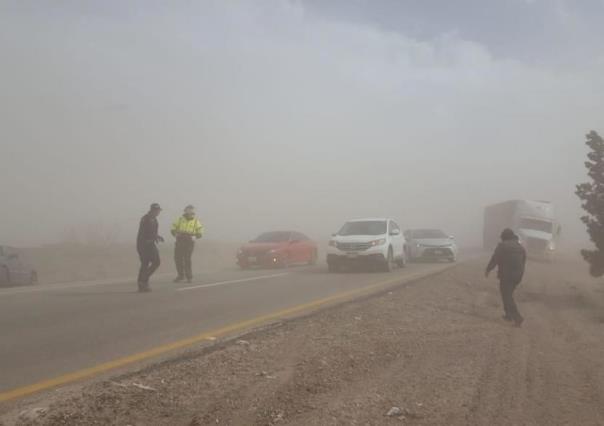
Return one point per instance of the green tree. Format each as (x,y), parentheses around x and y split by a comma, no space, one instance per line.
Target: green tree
(592,201)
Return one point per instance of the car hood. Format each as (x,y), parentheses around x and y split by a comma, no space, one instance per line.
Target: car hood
(531,233)
(357,238)
(434,242)
(261,247)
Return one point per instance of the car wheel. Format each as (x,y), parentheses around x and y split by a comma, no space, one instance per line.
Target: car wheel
(402,262)
(388,265)
(283,262)
(4,275)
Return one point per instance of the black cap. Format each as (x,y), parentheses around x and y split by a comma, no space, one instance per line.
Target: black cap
(155,206)
(508,234)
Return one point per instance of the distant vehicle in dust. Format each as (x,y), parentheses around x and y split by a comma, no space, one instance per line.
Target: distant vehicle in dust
(14,270)
(533,221)
(430,245)
(374,241)
(278,249)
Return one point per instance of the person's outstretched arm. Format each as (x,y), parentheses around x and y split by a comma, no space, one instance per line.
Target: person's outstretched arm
(494,261)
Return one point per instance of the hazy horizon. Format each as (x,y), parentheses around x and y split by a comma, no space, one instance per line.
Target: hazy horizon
(293,114)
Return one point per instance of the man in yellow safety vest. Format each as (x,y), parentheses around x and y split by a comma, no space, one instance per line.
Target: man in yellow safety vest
(186,229)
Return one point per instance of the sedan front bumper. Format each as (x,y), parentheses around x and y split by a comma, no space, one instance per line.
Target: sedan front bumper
(434,253)
(348,259)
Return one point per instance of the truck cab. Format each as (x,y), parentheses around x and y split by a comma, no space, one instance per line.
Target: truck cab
(533,221)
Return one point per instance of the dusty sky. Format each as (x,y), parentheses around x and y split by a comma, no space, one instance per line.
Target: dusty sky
(292,114)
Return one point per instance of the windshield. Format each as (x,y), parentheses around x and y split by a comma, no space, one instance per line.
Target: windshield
(273,237)
(537,225)
(373,227)
(428,234)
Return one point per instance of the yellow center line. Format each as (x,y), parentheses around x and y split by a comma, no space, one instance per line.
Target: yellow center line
(208,335)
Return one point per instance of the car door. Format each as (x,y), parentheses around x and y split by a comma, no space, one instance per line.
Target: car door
(397,239)
(409,243)
(297,247)
(292,249)
(308,248)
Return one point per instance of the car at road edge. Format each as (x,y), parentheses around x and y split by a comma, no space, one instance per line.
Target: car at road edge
(430,245)
(375,241)
(278,249)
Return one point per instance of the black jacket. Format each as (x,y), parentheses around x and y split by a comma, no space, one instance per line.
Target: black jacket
(510,258)
(147,230)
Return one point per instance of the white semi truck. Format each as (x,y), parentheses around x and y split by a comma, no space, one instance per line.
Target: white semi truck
(533,221)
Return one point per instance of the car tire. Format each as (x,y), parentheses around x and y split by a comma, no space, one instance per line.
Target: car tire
(388,264)
(284,262)
(402,262)
(313,258)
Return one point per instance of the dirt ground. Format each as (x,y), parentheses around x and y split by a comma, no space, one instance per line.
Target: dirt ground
(437,350)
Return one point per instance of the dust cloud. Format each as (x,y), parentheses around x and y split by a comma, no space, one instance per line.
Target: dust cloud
(296,114)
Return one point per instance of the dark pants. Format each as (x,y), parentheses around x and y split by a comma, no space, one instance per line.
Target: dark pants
(183,250)
(149,256)
(507,288)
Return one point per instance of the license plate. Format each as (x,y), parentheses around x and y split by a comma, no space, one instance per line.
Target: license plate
(251,260)
(438,252)
(352,255)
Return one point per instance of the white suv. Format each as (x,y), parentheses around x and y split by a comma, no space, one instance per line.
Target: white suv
(375,240)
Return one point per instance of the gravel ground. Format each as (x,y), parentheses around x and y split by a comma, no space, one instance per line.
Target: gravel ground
(435,352)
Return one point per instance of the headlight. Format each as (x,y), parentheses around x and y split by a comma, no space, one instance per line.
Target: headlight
(333,243)
(379,242)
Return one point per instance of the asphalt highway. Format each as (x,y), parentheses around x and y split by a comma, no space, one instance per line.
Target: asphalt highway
(52,330)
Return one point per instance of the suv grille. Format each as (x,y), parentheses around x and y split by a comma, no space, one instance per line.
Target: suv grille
(353,246)
(536,244)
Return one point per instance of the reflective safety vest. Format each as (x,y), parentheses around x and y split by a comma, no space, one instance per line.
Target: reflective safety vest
(182,225)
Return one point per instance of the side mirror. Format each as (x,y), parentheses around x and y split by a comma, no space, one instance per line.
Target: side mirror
(395,232)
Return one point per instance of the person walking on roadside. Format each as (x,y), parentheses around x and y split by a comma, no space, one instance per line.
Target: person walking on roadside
(146,245)
(510,259)
(185,229)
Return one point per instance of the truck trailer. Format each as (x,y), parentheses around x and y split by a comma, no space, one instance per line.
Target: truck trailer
(533,221)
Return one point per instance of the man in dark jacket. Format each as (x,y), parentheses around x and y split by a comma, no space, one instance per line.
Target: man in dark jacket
(146,246)
(510,259)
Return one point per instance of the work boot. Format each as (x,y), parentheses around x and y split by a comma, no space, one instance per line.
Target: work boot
(178,279)
(506,317)
(518,321)
(190,280)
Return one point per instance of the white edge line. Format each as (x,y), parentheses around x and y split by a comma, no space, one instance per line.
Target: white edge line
(43,288)
(242,280)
